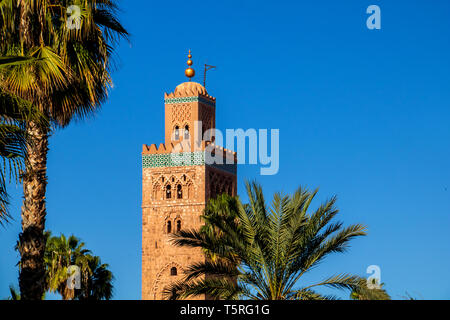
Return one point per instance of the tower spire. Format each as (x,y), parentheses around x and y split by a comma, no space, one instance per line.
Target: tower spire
(189,72)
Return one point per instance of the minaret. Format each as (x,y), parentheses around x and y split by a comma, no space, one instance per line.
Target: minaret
(174,193)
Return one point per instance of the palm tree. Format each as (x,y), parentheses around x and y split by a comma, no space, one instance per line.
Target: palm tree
(263,252)
(96,281)
(67,77)
(60,254)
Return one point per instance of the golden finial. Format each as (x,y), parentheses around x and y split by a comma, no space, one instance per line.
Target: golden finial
(189,72)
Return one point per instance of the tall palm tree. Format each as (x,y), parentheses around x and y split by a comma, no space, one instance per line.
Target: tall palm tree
(263,252)
(68,78)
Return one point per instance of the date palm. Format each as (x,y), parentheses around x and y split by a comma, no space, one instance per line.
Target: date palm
(260,252)
(67,77)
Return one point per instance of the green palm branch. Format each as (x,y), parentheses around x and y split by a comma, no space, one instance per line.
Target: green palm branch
(261,252)
(362,292)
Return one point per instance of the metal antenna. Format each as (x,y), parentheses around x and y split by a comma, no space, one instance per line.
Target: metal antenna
(207,67)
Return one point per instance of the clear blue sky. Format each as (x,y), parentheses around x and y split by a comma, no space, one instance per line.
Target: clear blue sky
(362,114)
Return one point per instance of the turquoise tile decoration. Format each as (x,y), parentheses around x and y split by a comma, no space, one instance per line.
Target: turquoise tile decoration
(173,159)
(182,159)
(189,99)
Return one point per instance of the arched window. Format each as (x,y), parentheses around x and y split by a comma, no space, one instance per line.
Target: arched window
(179,192)
(168,192)
(178,225)
(169,227)
(186,132)
(173,271)
(177,133)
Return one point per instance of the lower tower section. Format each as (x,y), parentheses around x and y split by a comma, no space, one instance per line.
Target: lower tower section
(174,197)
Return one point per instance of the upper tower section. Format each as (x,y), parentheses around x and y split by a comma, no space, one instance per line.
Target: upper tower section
(189,111)
(190,121)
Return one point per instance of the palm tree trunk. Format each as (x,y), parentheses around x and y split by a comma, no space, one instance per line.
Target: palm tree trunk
(66,293)
(32,240)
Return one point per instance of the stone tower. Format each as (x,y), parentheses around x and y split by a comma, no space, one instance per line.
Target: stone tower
(178,179)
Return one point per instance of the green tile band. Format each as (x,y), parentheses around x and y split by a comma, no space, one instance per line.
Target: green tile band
(173,159)
(182,159)
(189,99)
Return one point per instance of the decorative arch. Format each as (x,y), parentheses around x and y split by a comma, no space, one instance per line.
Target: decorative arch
(156,191)
(179,191)
(186,131)
(177,224)
(168,192)
(176,132)
(168,226)
(189,187)
(158,285)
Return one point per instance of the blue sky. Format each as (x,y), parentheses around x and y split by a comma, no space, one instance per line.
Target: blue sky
(363,114)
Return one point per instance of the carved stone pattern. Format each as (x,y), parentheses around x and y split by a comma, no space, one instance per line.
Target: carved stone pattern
(180,114)
(156,286)
(161,181)
(206,117)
